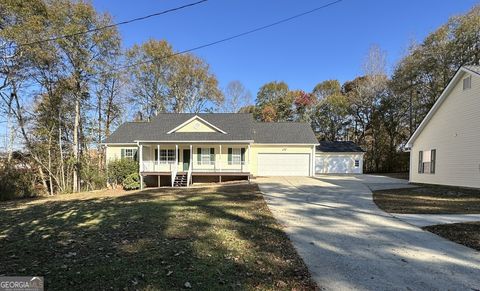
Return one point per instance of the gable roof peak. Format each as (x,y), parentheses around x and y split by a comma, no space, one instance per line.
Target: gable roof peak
(196,117)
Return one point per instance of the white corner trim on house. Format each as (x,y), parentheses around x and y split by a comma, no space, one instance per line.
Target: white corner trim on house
(439,103)
(196,117)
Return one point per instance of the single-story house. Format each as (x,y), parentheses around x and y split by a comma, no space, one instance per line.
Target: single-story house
(338,157)
(176,149)
(445,148)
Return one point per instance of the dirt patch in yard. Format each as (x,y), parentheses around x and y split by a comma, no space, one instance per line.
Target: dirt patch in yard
(429,200)
(467,233)
(209,238)
(403,175)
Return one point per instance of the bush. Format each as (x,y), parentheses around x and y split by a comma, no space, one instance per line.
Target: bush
(92,176)
(131,182)
(119,170)
(16,183)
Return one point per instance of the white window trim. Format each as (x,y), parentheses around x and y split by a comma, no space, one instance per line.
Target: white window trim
(129,154)
(205,157)
(236,156)
(356,163)
(168,158)
(426,161)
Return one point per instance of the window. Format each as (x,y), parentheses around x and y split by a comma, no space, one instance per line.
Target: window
(236,156)
(426,161)
(357,163)
(129,153)
(166,156)
(205,156)
(467,83)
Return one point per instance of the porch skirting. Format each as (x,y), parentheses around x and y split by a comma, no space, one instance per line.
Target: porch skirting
(164,179)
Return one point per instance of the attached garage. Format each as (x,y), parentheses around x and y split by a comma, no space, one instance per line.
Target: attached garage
(338,157)
(283,164)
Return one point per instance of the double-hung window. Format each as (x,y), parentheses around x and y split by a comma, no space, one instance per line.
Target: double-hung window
(167,156)
(426,161)
(129,153)
(206,156)
(236,156)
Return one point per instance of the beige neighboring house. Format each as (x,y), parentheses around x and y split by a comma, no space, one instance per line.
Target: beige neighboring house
(178,149)
(445,148)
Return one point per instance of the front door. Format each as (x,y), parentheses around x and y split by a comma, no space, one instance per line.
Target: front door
(186,159)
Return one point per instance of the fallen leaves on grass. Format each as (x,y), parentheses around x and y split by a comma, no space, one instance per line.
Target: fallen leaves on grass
(211,238)
(467,233)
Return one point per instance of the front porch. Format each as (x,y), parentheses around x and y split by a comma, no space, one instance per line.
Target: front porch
(184,164)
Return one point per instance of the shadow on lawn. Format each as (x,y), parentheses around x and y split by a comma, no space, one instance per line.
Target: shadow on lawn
(213,238)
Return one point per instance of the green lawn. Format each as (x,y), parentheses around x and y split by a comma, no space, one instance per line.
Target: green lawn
(213,238)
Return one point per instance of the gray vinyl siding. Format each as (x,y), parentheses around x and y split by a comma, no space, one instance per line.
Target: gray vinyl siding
(454,132)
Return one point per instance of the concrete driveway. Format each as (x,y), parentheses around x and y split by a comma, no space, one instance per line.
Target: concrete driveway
(348,243)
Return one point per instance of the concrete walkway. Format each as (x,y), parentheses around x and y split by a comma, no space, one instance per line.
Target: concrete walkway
(422,220)
(350,244)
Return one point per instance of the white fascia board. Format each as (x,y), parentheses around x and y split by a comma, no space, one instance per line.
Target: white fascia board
(286,144)
(436,106)
(339,153)
(193,118)
(195,141)
(119,143)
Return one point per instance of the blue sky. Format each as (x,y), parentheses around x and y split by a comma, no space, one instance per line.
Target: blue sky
(329,44)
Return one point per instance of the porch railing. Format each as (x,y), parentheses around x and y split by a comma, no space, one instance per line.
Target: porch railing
(154,166)
(212,167)
(174,174)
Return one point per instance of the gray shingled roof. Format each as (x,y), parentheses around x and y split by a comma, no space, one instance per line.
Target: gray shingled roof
(238,127)
(283,132)
(339,147)
(475,69)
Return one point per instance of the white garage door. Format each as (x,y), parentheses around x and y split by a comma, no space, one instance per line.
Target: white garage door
(338,164)
(283,164)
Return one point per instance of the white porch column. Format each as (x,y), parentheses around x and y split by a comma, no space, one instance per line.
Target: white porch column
(313,161)
(191,156)
(140,159)
(248,158)
(176,155)
(220,159)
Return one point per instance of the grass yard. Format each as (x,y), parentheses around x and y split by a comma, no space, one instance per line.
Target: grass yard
(467,233)
(218,237)
(429,200)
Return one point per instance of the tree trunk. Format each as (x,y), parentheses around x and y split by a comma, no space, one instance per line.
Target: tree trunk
(50,181)
(99,133)
(76,180)
(60,149)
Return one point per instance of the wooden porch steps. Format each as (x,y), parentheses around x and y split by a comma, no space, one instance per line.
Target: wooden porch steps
(180,180)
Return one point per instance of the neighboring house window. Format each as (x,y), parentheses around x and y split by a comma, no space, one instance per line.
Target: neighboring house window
(205,156)
(167,156)
(236,156)
(467,83)
(357,163)
(426,161)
